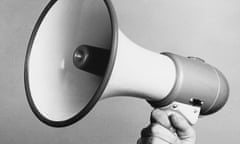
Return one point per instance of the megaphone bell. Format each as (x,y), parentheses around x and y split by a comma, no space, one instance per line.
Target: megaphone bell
(77,55)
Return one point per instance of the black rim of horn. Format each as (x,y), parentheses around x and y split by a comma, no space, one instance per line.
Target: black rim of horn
(102,85)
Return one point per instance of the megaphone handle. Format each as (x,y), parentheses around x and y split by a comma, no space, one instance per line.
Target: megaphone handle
(190,112)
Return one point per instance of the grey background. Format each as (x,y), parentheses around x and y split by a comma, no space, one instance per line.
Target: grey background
(207,28)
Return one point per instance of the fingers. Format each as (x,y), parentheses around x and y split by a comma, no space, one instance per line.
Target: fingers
(161,117)
(175,120)
(159,129)
(151,140)
(155,133)
(183,128)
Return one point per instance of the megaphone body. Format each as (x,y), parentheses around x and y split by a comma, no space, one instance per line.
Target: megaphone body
(165,80)
(67,70)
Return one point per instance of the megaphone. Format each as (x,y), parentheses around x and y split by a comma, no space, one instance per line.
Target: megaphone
(77,55)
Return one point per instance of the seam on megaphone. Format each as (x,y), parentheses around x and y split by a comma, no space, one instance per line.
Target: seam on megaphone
(218,90)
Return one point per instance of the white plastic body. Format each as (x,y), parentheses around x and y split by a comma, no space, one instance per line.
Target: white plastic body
(140,72)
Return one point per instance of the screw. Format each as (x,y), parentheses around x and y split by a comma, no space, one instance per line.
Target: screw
(174,106)
(195,111)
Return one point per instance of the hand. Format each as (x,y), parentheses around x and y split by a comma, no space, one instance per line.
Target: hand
(164,129)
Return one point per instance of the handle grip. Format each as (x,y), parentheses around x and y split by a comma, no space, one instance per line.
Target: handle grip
(190,112)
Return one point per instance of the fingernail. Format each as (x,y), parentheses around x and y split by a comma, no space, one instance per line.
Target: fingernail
(156,112)
(174,117)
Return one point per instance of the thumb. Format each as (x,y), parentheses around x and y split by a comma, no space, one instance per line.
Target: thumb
(184,130)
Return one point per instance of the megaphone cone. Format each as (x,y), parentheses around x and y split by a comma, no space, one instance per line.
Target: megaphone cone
(77,55)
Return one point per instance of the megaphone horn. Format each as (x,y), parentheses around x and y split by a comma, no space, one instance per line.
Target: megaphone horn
(77,55)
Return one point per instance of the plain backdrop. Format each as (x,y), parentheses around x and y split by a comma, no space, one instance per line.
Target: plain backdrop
(209,29)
